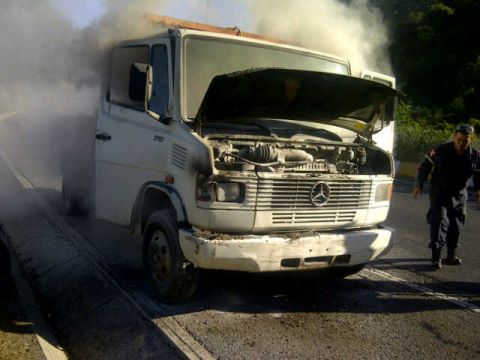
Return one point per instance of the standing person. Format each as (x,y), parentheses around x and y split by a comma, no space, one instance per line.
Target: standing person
(453,163)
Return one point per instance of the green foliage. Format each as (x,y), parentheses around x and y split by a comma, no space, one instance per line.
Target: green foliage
(419,129)
(441,8)
(436,55)
(416,17)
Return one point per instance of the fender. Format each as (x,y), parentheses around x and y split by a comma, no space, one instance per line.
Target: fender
(167,190)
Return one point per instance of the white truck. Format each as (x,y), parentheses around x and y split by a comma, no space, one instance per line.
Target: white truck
(230,151)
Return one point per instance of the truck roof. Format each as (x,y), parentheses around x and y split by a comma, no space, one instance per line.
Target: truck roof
(186,28)
(185,24)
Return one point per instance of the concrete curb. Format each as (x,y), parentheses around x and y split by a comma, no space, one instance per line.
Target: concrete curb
(48,343)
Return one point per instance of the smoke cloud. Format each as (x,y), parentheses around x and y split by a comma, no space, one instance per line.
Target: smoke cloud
(32,33)
(49,65)
(354,31)
(52,70)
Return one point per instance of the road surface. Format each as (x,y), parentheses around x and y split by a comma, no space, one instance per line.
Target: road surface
(88,279)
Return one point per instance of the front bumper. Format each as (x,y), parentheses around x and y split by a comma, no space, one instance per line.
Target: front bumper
(285,252)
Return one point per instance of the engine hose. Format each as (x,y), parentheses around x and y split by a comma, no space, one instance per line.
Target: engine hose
(287,164)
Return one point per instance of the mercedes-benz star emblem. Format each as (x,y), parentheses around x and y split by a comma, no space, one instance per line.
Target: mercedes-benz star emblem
(319,194)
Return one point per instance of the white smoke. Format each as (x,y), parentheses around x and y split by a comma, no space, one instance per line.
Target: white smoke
(356,31)
(32,34)
(52,70)
(47,64)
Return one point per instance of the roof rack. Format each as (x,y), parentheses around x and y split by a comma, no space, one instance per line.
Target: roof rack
(185,24)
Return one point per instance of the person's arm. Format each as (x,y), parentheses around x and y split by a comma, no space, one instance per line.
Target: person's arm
(423,171)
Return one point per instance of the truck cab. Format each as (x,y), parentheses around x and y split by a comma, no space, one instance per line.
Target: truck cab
(238,153)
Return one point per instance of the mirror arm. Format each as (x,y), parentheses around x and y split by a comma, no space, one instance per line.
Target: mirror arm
(165,119)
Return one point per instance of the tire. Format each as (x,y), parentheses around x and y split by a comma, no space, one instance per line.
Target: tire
(343,272)
(76,202)
(174,277)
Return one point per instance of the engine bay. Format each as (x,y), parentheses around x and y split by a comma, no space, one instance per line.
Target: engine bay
(246,154)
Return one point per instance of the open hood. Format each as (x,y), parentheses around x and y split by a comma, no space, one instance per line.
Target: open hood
(346,101)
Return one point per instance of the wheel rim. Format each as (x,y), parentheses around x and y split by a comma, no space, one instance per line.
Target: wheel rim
(160,257)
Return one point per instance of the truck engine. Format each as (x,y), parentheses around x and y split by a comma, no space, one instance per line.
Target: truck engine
(249,155)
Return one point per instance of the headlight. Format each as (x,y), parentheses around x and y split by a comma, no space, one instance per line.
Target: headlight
(204,189)
(209,190)
(383,192)
(229,192)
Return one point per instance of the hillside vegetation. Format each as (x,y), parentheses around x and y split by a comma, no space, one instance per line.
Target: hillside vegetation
(435,54)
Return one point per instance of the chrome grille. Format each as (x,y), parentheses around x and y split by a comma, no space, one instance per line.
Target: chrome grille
(286,194)
(250,194)
(309,217)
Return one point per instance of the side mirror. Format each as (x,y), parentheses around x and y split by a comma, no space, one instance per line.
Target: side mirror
(137,82)
(148,84)
(148,91)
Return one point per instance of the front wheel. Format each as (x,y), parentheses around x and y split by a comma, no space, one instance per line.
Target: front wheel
(174,277)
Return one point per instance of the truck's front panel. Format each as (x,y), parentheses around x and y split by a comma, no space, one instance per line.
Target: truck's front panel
(277,180)
(324,192)
(285,251)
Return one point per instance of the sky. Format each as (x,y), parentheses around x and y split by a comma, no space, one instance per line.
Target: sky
(81,13)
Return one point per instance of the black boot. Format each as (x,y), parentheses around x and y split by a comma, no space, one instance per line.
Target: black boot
(436,259)
(452,258)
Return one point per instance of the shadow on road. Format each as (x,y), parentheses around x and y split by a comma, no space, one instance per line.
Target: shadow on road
(12,316)
(272,293)
(257,294)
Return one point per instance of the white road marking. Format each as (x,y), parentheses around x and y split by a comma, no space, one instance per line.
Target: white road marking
(183,340)
(425,290)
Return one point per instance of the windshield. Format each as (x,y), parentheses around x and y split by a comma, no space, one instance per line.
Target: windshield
(206,58)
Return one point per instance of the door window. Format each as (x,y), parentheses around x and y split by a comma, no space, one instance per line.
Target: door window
(160,90)
(127,77)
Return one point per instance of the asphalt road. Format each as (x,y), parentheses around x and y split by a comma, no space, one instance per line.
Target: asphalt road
(88,278)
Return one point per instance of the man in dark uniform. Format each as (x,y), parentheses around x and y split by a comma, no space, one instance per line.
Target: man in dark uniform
(453,163)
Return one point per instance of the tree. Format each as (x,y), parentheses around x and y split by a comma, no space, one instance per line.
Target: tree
(436,56)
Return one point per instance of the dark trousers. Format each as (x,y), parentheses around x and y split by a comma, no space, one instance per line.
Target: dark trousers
(446,217)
